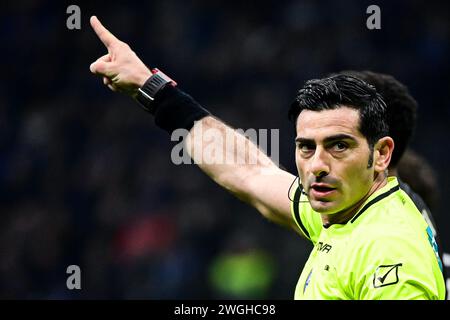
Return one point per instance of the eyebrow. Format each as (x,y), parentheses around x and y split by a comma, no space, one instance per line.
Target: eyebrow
(329,139)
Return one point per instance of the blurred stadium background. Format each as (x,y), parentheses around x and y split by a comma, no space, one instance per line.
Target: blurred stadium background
(86,177)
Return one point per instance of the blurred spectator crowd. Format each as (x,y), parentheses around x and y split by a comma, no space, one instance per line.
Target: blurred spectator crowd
(86,177)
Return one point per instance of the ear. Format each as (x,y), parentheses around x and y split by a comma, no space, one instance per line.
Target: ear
(383,152)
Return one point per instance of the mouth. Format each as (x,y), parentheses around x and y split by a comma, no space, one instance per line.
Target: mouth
(319,190)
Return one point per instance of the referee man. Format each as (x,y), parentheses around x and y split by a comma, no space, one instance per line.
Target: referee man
(371,242)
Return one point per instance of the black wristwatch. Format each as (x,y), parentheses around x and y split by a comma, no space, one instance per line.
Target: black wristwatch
(146,93)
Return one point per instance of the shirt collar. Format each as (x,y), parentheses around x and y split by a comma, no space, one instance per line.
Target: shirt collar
(390,187)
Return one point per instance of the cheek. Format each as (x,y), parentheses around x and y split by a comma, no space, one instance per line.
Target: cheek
(356,176)
(300,164)
(359,183)
(297,160)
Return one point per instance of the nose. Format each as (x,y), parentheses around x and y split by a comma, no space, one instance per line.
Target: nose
(319,165)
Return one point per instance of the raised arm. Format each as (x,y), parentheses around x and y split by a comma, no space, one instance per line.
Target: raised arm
(244,169)
(250,175)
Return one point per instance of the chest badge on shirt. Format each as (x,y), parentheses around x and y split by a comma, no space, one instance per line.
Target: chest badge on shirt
(386,275)
(308,279)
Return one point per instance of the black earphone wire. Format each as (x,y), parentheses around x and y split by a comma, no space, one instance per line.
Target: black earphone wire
(300,186)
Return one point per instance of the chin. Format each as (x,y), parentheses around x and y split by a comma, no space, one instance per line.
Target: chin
(324,207)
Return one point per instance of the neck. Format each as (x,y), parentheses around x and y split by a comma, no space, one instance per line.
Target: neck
(393,172)
(348,213)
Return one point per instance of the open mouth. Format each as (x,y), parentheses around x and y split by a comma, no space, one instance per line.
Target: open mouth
(321,190)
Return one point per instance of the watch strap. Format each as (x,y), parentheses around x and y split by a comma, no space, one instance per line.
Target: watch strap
(146,93)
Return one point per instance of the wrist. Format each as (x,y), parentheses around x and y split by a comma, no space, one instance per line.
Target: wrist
(143,77)
(176,109)
(152,85)
(172,108)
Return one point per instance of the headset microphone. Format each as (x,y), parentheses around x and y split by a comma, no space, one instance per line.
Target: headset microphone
(300,186)
(302,190)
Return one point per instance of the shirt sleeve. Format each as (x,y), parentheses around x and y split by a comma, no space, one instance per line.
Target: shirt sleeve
(307,220)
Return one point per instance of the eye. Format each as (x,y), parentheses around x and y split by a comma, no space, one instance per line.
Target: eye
(340,146)
(305,147)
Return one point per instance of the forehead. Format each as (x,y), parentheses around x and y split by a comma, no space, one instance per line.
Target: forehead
(320,124)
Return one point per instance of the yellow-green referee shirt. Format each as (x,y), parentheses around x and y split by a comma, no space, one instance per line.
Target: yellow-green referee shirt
(386,251)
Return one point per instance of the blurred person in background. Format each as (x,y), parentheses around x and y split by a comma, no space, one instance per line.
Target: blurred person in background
(418,175)
(242,270)
(328,115)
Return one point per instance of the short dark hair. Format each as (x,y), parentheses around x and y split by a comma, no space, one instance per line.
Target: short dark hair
(344,90)
(401,108)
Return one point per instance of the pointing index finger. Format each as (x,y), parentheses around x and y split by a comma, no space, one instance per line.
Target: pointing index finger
(105,36)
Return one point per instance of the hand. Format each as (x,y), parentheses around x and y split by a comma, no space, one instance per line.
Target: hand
(121,68)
